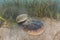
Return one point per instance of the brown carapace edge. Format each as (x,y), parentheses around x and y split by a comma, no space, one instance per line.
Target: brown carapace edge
(35,32)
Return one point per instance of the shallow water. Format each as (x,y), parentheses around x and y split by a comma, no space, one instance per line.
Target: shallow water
(15,32)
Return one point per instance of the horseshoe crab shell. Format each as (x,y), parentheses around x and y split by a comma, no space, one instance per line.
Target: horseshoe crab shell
(34,28)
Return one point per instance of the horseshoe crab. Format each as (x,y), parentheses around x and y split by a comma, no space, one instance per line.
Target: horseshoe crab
(31,26)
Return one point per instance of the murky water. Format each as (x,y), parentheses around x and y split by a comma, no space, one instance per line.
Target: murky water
(15,32)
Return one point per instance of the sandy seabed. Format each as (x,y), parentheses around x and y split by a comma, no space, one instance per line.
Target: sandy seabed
(52,32)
